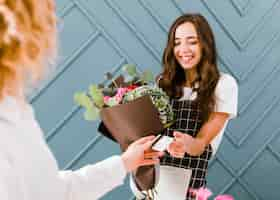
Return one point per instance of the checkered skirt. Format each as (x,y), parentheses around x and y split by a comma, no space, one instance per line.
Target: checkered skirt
(188,120)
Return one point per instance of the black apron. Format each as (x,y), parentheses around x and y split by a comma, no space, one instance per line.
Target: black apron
(188,118)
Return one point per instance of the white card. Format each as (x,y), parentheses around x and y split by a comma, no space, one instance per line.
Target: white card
(162,142)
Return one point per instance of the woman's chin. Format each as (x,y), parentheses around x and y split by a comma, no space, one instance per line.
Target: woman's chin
(188,66)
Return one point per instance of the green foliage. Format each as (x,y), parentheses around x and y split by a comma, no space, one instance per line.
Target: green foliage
(82,99)
(91,114)
(93,99)
(147,76)
(130,69)
(96,95)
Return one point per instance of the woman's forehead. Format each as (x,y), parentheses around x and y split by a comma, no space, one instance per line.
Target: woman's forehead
(185,30)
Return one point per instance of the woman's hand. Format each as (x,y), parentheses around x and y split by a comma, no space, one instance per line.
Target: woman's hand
(139,153)
(184,143)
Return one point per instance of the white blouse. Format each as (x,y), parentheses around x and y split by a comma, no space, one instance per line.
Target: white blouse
(226,93)
(29,171)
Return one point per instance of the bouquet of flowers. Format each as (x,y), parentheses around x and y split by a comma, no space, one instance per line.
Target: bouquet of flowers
(130,107)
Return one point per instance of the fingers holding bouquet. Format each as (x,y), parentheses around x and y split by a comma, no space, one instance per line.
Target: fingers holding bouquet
(130,107)
(139,153)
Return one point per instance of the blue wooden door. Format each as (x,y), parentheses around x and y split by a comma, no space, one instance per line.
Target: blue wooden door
(97,36)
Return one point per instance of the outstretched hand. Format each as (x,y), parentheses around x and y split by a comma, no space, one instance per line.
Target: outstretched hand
(184,143)
(139,153)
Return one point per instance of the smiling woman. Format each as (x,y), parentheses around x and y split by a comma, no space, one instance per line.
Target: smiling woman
(202,99)
(187,48)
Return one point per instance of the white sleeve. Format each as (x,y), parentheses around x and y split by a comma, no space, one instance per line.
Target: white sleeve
(227,95)
(93,181)
(227,100)
(4,180)
(10,188)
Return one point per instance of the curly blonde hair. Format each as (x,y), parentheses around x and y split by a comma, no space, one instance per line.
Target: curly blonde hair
(27,41)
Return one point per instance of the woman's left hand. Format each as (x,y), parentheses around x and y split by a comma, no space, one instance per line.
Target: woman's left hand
(184,143)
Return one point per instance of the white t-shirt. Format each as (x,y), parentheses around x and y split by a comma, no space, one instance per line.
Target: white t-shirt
(29,171)
(226,94)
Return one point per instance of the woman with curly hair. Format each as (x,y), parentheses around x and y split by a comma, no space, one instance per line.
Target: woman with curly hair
(28,170)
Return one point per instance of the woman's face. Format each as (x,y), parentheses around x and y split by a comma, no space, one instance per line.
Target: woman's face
(187,49)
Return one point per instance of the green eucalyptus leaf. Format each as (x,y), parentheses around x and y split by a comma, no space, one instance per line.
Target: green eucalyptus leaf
(82,99)
(96,95)
(130,69)
(91,113)
(147,76)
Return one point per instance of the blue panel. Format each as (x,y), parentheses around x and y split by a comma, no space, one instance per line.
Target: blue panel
(58,98)
(126,37)
(69,31)
(149,28)
(264,170)
(61,4)
(240,192)
(218,170)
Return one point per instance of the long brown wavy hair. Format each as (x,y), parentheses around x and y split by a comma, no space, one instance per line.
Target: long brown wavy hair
(173,77)
(27,42)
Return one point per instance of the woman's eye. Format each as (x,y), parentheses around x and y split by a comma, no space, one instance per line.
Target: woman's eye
(193,42)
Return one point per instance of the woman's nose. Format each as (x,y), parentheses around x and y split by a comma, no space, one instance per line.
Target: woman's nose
(184,48)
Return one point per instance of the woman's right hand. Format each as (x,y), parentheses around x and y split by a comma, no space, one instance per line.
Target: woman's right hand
(139,153)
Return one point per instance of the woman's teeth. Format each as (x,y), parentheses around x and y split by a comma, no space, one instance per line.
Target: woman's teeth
(186,58)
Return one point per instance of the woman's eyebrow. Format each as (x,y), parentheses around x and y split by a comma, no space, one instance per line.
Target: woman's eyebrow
(188,37)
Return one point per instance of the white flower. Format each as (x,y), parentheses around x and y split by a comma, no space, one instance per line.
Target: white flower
(159,98)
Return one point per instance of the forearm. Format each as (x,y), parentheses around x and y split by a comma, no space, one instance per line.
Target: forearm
(93,181)
(207,133)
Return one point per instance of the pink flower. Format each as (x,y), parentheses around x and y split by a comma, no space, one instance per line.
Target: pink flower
(224,197)
(204,193)
(106,98)
(120,93)
(201,193)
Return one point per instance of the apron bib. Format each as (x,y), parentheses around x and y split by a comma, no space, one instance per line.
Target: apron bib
(189,121)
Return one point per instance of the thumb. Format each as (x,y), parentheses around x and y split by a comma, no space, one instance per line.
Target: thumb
(143,140)
(147,145)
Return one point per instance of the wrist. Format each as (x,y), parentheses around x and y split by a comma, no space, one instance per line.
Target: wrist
(201,144)
(126,162)
(197,147)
